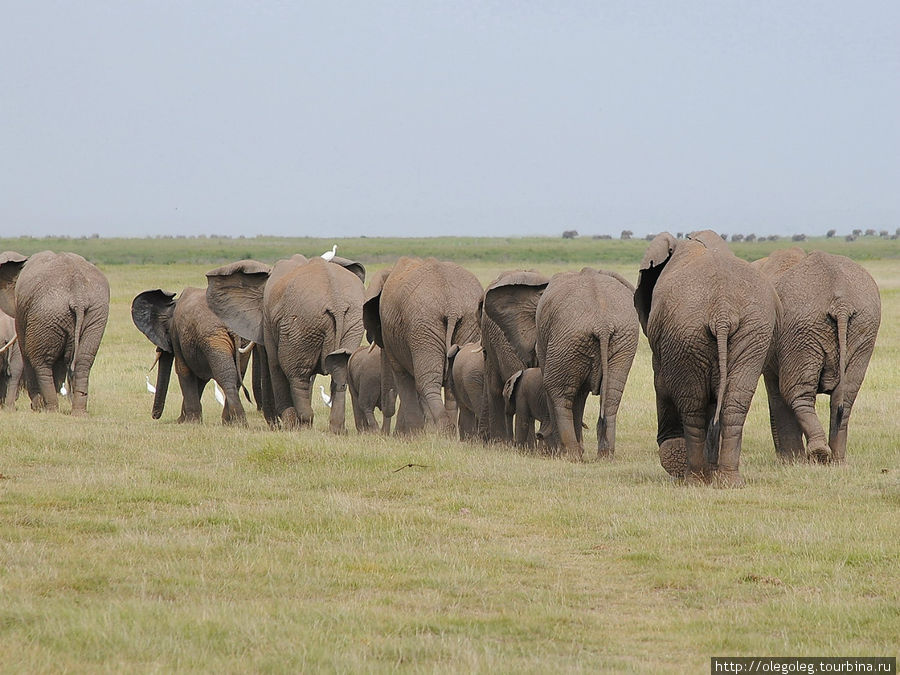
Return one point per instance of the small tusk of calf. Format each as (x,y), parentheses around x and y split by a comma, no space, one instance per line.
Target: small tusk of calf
(247,348)
(9,344)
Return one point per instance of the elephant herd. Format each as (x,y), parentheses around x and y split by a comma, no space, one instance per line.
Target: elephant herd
(488,362)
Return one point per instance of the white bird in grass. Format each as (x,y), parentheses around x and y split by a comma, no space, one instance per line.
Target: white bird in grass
(220,395)
(328,255)
(325,397)
(150,387)
(63,390)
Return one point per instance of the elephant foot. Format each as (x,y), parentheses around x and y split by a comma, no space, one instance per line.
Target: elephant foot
(693,478)
(673,456)
(234,421)
(191,418)
(605,453)
(818,451)
(290,421)
(575,455)
(728,479)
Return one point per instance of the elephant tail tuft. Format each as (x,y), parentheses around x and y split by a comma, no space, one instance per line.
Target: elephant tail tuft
(841,316)
(721,327)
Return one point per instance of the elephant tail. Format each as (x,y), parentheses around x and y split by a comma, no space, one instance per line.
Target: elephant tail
(721,327)
(842,319)
(79,326)
(602,387)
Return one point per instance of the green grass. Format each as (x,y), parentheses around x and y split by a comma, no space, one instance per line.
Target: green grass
(129,544)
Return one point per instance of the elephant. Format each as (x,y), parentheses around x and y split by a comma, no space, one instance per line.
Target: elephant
(831,314)
(500,361)
(60,302)
(305,317)
(364,381)
(415,311)
(465,375)
(12,366)
(526,399)
(582,329)
(709,318)
(187,332)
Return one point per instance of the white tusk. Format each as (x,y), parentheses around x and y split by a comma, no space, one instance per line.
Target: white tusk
(150,387)
(220,395)
(246,348)
(10,343)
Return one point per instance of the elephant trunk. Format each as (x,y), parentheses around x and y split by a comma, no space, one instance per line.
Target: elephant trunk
(163,374)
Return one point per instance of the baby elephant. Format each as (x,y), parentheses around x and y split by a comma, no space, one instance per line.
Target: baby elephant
(12,366)
(465,378)
(187,332)
(364,379)
(527,401)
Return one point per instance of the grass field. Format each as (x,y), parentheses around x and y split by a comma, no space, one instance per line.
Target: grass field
(128,544)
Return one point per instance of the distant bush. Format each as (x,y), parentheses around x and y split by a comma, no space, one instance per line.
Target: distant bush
(798,237)
(570,234)
(724,236)
(737,237)
(857,233)
(773,237)
(883,234)
(830,233)
(870,232)
(680,235)
(850,237)
(602,236)
(626,234)
(750,237)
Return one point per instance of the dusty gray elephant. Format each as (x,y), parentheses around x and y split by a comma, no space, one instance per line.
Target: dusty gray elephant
(709,318)
(61,304)
(465,371)
(12,366)
(500,361)
(526,400)
(364,381)
(188,333)
(305,317)
(582,328)
(831,313)
(415,311)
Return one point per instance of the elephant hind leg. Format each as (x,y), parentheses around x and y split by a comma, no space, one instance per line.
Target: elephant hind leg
(786,432)
(45,398)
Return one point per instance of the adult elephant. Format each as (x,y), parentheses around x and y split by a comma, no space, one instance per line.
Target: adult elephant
(307,317)
(582,329)
(187,332)
(415,311)
(709,318)
(831,314)
(61,304)
(11,364)
(500,359)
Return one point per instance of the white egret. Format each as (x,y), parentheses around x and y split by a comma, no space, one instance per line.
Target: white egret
(150,387)
(220,395)
(325,397)
(328,255)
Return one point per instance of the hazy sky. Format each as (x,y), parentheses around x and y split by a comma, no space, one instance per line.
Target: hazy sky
(383,117)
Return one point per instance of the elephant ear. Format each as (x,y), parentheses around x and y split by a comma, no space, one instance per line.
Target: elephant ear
(657,255)
(356,267)
(509,391)
(372,307)
(151,312)
(235,294)
(11,264)
(511,302)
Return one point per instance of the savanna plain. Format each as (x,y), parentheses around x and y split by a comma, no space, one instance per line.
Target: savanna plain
(134,545)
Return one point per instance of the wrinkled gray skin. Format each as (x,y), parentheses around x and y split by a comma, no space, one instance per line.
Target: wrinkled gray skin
(466,381)
(709,318)
(12,366)
(526,399)
(582,328)
(500,361)
(364,382)
(415,311)
(188,333)
(307,317)
(831,313)
(61,304)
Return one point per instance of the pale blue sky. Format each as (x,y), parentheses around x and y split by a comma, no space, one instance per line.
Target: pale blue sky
(423,118)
